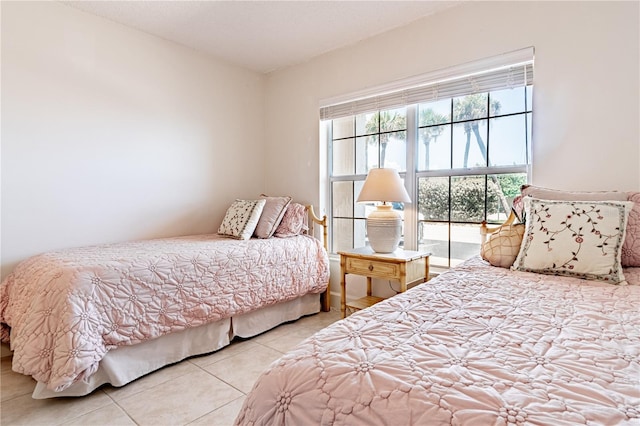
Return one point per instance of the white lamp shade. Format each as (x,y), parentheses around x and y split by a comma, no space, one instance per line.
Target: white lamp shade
(383,185)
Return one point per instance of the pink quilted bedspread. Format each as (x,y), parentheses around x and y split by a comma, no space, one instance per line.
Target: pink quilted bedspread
(478,345)
(66,309)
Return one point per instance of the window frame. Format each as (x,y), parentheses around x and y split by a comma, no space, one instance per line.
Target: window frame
(412,175)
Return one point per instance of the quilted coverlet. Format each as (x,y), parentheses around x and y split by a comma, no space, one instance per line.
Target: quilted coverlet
(62,311)
(478,345)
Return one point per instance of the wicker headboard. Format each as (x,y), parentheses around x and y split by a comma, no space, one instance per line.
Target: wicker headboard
(320,221)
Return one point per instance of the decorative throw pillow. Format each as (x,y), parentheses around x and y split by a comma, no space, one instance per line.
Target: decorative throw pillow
(554,194)
(293,221)
(502,247)
(271,216)
(575,238)
(517,207)
(241,218)
(631,246)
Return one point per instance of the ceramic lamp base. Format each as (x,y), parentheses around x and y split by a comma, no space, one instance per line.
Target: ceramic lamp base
(384,229)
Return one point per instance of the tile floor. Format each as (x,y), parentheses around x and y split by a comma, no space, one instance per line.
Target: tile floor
(205,390)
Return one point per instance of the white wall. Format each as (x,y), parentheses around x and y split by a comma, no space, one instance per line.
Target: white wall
(586,109)
(586,95)
(109,134)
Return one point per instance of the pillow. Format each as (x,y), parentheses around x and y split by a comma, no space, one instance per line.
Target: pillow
(241,218)
(554,194)
(271,216)
(293,221)
(575,238)
(502,247)
(631,246)
(517,207)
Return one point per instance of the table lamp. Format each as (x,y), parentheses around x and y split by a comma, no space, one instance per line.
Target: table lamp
(384,225)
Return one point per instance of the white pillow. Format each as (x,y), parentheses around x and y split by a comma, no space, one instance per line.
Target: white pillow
(555,194)
(241,218)
(575,238)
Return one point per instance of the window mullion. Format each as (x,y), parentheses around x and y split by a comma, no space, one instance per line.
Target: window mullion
(328,131)
(410,181)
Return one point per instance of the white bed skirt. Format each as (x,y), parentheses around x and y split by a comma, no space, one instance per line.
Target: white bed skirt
(125,364)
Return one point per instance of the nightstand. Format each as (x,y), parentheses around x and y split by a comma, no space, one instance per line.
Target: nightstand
(405,266)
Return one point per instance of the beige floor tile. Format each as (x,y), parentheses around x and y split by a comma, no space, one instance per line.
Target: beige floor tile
(5,364)
(179,401)
(320,320)
(111,415)
(277,333)
(223,416)
(287,341)
(286,336)
(25,410)
(242,370)
(315,321)
(14,384)
(233,349)
(151,380)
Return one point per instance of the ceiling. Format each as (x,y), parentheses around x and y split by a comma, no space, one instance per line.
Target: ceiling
(263,36)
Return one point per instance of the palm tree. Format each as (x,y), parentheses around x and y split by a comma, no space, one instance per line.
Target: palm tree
(430,134)
(386,121)
(470,108)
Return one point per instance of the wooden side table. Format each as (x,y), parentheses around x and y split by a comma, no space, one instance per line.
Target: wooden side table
(404,266)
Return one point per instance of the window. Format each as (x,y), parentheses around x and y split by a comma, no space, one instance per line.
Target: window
(461,145)
(472,159)
(360,143)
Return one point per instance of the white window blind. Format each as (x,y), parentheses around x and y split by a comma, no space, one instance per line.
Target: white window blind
(507,71)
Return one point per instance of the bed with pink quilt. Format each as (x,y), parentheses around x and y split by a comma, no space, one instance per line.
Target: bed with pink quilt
(550,335)
(79,318)
(478,345)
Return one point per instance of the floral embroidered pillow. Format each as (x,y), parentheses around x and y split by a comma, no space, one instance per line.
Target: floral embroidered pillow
(575,238)
(241,218)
